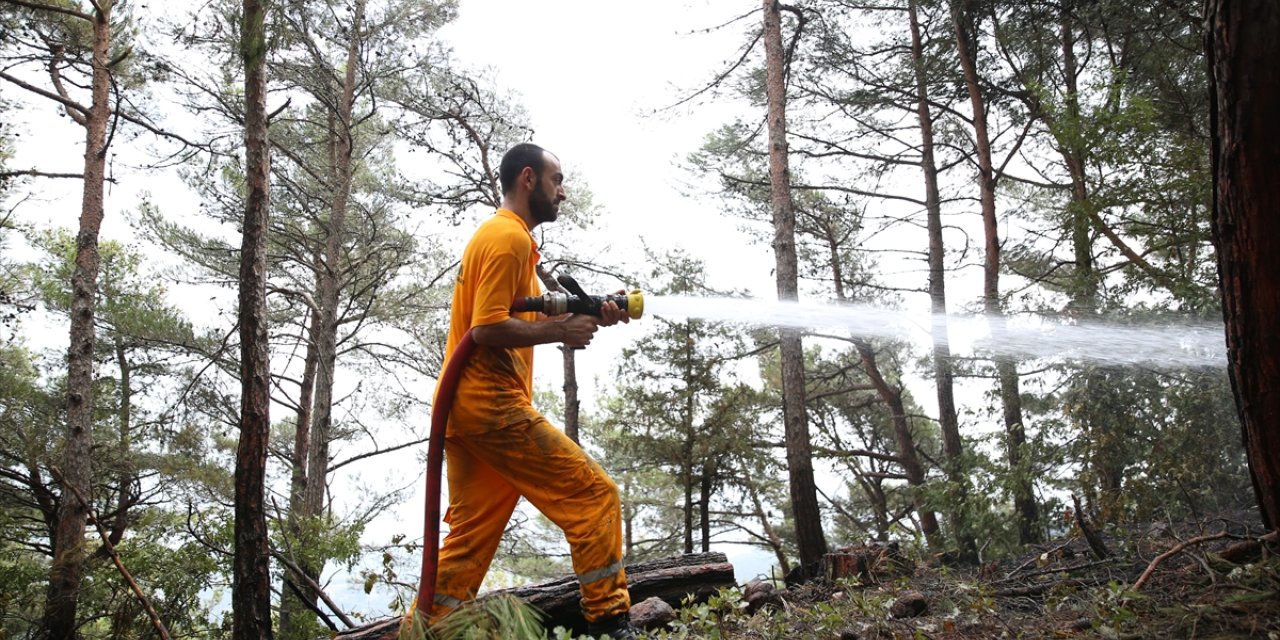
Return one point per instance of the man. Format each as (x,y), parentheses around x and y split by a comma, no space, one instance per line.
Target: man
(498,447)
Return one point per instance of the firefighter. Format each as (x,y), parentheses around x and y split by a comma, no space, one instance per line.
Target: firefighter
(498,447)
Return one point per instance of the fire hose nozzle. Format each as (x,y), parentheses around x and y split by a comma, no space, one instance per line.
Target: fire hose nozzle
(554,303)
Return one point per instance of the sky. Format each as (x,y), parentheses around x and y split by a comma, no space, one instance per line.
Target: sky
(592,75)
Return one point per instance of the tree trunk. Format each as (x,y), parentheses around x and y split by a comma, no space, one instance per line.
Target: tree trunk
(942,367)
(704,504)
(686,425)
(251,578)
(686,478)
(952,445)
(328,291)
(673,580)
(892,399)
(67,567)
(125,473)
(571,403)
(804,492)
(775,542)
(910,462)
(1242,50)
(290,606)
(1084,285)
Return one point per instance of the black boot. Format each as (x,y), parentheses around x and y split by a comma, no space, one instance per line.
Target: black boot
(618,627)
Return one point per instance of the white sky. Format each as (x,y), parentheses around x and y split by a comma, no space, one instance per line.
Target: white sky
(590,74)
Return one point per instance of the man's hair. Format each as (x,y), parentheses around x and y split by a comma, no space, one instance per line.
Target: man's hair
(525,154)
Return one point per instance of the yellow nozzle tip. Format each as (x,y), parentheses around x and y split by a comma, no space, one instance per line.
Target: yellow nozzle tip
(635,304)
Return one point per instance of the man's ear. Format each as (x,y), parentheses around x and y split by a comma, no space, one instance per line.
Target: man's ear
(528,174)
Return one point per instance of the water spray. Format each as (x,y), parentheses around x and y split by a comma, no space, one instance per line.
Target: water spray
(1168,344)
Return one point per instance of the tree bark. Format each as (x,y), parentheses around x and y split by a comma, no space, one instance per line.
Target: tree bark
(1242,51)
(67,568)
(571,403)
(328,293)
(1006,371)
(251,577)
(804,493)
(942,367)
(289,606)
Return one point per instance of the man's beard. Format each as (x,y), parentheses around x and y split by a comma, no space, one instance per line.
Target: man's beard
(542,208)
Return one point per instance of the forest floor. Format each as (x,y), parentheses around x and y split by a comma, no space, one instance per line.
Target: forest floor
(1211,579)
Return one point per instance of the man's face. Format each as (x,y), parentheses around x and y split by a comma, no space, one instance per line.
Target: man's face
(548,191)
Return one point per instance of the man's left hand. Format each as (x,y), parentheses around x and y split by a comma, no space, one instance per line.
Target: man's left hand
(611,313)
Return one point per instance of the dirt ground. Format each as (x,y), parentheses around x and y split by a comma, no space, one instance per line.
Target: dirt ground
(1061,589)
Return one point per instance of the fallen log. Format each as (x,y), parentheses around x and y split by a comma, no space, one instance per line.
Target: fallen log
(388,629)
(693,577)
(696,576)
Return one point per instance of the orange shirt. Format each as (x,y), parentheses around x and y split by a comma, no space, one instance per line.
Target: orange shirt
(498,266)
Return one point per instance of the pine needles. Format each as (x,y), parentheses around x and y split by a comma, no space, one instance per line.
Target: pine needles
(498,617)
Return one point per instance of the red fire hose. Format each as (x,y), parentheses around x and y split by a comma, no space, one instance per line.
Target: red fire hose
(435,463)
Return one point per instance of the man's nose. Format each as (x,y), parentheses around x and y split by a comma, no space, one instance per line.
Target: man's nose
(560,195)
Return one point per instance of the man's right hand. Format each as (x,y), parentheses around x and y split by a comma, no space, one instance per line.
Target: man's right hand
(577,329)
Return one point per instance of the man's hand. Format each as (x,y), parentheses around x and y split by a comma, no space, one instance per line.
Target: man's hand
(578,328)
(611,313)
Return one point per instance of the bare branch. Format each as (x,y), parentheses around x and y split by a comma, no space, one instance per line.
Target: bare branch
(376,452)
(115,557)
(66,102)
(1151,568)
(315,588)
(52,8)
(43,174)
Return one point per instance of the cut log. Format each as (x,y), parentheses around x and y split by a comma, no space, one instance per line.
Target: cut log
(694,578)
(381,630)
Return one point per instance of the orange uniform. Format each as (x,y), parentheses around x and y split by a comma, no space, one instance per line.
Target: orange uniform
(499,448)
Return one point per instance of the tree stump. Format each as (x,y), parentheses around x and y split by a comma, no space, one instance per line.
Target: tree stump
(865,563)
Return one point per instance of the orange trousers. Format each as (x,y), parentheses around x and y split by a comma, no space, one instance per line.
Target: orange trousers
(488,473)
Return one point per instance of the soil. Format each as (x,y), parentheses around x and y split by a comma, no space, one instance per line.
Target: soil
(1061,589)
